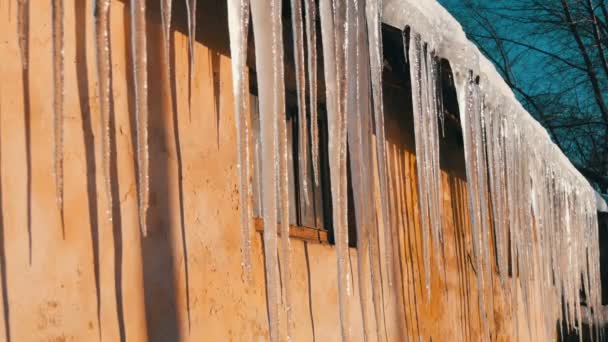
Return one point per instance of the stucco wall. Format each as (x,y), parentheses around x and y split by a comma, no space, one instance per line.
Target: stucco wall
(94,279)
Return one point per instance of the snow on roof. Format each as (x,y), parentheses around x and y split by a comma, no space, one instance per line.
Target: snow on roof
(445,35)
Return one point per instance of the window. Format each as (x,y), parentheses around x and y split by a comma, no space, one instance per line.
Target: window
(317,213)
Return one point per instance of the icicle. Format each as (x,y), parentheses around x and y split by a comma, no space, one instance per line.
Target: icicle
(330,30)
(238,18)
(359,143)
(191,6)
(22,28)
(268,47)
(166,9)
(495,143)
(58,96)
(414,54)
(373,11)
(104,65)
(279,105)
(423,73)
(433,151)
(311,45)
(140,80)
(470,115)
(298,52)
(440,98)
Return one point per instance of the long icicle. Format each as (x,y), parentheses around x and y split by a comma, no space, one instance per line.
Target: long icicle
(298,52)
(270,95)
(311,46)
(358,110)
(238,17)
(328,28)
(58,97)
(373,11)
(140,80)
(415,59)
(102,48)
(279,107)
(191,13)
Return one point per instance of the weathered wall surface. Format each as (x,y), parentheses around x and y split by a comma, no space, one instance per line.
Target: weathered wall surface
(93,279)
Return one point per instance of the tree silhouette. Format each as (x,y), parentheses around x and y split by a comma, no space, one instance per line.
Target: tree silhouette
(553,54)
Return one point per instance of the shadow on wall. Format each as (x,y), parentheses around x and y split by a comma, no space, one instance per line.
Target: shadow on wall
(82,76)
(3,278)
(160,295)
(157,252)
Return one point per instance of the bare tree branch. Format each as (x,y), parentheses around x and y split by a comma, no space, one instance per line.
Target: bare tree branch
(596,35)
(534,48)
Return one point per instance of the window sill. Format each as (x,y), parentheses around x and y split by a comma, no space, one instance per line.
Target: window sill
(298,232)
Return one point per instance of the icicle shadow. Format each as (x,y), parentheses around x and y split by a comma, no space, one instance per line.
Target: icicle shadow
(3,272)
(116,223)
(265,277)
(158,256)
(309,284)
(82,76)
(4,280)
(157,249)
(23,29)
(180,171)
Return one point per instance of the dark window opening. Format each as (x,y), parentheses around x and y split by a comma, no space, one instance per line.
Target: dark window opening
(603,236)
(317,213)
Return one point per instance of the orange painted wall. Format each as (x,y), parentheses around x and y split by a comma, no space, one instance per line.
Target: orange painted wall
(94,279)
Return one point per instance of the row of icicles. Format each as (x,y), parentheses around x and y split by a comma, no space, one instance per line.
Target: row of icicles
(521,197)
(140,80)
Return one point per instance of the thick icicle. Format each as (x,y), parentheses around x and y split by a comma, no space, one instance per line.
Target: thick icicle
(140,81)
(238,18)
(58,97)
(359,143)
(298,52)
(191,6)
(433,152)
(329,32)
(415,54)
(373,10)
(470,104)
(279,105)
(104,65)
(267,31)
(423,73)
(311,46)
